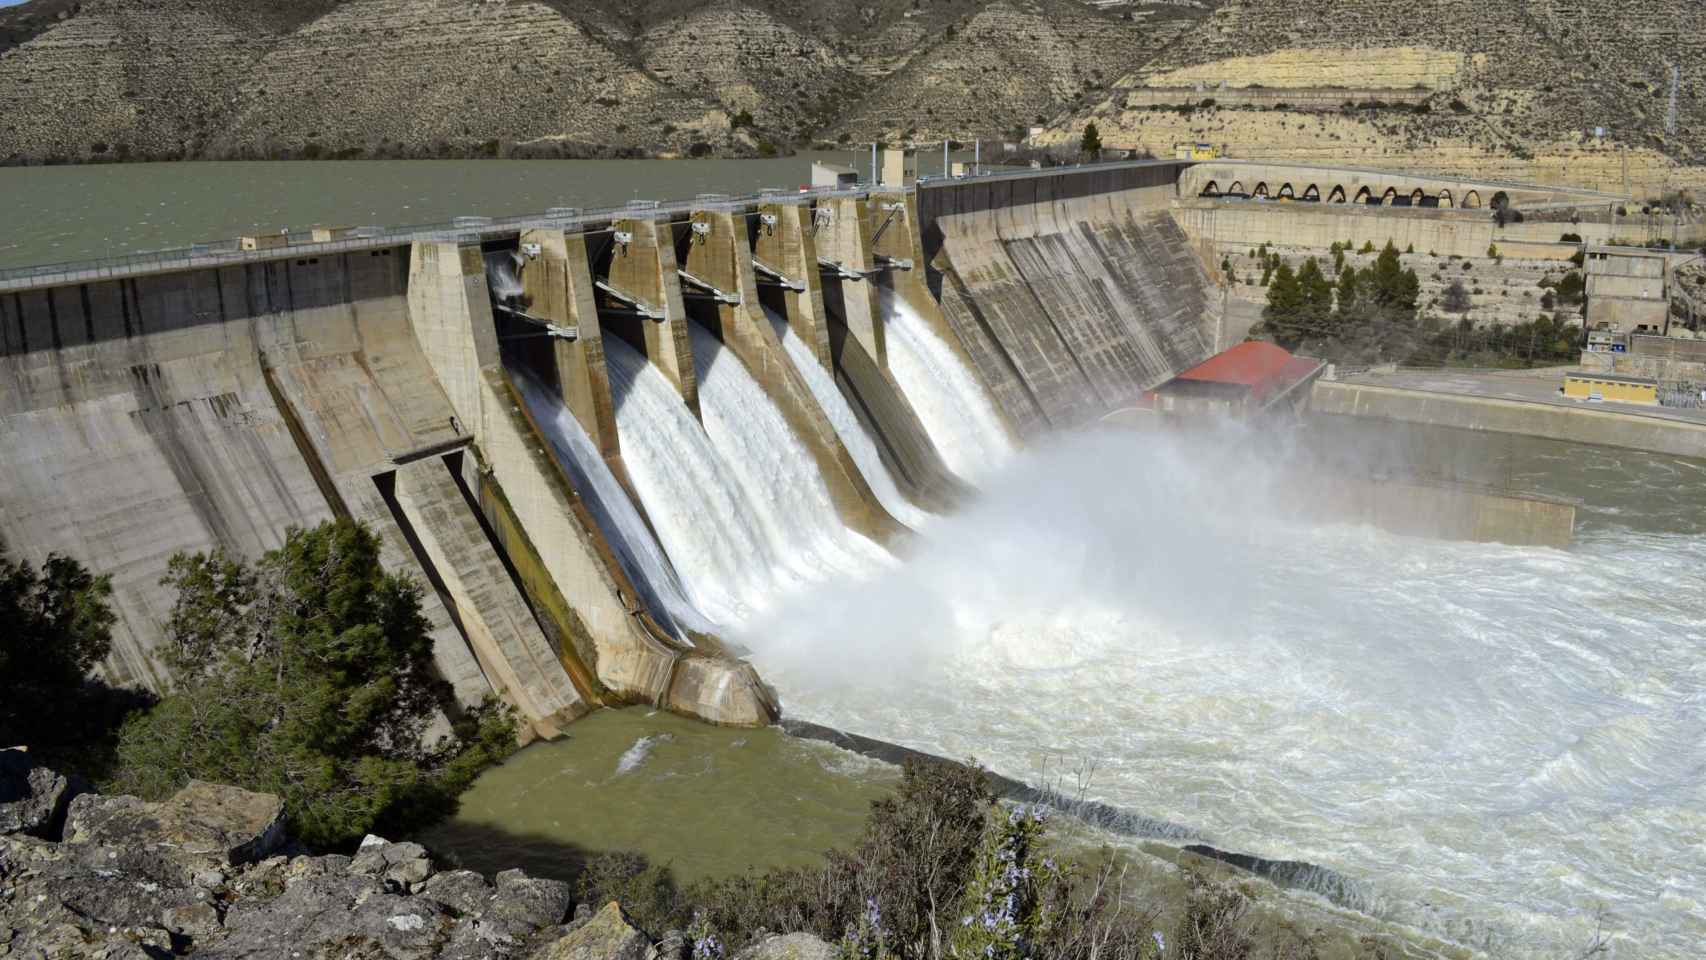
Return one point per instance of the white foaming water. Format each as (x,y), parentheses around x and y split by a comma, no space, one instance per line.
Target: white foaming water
(635,755)
(501,274)
(961,423)
(697,508)
(636,550)
(776,472)
(737,503)
(847,426)
(1493,741)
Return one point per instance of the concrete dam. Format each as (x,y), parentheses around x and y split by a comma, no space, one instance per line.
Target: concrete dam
(595,438)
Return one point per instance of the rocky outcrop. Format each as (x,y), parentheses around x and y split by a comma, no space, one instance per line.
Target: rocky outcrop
(202,873)
(32,799)
(169,79)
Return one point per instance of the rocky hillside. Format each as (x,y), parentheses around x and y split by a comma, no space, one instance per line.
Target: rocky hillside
(1490,89)
(1513,89)
(210,872)
(134,79)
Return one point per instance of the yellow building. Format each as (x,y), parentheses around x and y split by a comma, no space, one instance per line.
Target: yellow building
(1606,386)
(1195,151)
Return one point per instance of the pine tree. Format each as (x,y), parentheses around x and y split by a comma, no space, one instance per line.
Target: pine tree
(1091,144)
(1283,314)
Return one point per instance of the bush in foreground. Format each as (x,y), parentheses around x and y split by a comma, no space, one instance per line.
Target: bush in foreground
(308,675)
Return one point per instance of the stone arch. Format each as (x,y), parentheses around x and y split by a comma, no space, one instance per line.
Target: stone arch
(1212,190)
(1472,200)
(1312,192)
(1445,198)
(1417,196)
(1285,192)
(1363,196)
(1261,190)
(1338,194)
(1389,197)
(1501,200)
(1236,188)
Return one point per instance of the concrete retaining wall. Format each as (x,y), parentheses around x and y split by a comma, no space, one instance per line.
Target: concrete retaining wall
(1240,225)
(1551,421)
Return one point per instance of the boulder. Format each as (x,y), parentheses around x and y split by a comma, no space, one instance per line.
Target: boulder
(607,936)
(532,901)
(32,799)
(793,946)
(403,864)
(204,826)
(462,892)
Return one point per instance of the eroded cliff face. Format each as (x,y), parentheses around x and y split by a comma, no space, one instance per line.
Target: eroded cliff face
(161,79)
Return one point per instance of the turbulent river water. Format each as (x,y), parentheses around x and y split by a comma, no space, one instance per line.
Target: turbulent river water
(1495,744)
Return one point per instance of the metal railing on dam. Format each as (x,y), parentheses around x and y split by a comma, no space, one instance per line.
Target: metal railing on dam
(228,252)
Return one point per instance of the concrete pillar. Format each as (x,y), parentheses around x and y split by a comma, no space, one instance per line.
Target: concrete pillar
(644,268)
(903,240)
(843,235)
(782,240)
(719,254)
(558,284)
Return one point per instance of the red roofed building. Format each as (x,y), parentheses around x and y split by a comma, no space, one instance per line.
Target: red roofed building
(1245,379)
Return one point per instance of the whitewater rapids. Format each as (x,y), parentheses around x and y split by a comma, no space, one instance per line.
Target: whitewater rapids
(1493,743)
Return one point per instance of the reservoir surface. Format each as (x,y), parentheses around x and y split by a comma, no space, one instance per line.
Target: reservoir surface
(59,214)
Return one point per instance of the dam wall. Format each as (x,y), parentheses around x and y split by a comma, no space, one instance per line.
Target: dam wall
(215,409)
(1072,291)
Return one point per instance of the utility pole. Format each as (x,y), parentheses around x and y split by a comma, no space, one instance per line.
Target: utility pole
(873,163)
(944,158)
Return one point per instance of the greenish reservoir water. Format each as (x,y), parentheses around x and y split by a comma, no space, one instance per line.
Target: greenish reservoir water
(58,214)
(706,800)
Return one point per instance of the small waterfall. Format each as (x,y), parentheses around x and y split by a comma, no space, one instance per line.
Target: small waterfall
(847,426)
(945,395)
(503,275)
(623,527)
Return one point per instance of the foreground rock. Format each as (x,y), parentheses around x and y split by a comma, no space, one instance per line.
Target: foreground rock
(32,799)
(199,874)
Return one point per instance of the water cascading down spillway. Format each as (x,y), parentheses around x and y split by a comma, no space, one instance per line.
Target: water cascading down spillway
(852,433)
(737,503)
(952,406)
(636,550)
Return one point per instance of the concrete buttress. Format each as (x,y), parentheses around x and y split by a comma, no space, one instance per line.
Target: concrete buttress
(718,254)
(643,268)
(841,233)
(781,239)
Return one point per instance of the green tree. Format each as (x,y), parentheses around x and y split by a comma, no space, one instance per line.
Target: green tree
(309,675)
(1091,144)
(1282,316)
(55,627)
